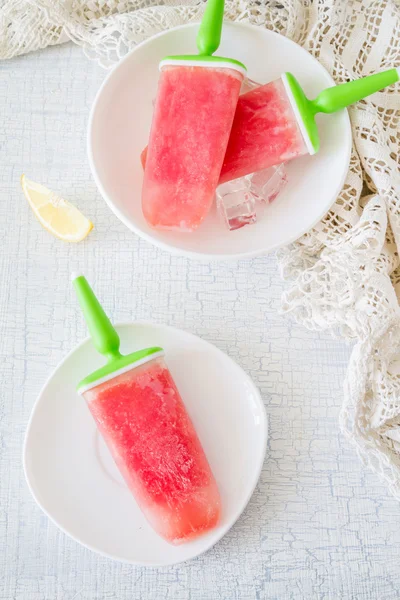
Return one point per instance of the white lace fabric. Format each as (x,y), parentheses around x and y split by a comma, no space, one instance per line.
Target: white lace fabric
(344,275)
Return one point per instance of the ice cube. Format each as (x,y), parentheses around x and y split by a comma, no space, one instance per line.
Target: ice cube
(267,184)
(241,201)
(236,204)
(248,84)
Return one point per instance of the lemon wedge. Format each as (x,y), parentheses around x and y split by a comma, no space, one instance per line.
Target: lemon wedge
(57,215)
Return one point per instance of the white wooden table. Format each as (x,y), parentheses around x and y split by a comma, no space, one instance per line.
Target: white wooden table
(318,525)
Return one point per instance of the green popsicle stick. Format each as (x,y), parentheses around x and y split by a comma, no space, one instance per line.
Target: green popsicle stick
(209,38)
(209,35)
(332,99)
(104,337)
(340,96)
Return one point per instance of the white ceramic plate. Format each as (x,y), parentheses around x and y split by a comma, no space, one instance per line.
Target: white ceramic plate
(119,129)
(75,481)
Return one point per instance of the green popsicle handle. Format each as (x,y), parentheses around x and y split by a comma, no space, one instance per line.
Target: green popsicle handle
(340,96)
(208,40)
(209,35)
(106,339)
(103,334)
(331,100)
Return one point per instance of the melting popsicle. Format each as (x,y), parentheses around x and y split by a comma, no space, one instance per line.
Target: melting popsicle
(142,418)
(193,114)
(276,122)
(264,133)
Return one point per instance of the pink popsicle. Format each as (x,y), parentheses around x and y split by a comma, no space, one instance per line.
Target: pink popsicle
(153,442)
(264,132)
(192,120)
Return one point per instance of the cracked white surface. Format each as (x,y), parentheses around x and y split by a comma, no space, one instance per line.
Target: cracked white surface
(318,525)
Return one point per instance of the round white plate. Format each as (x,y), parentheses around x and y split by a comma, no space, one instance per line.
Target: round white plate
(119,129)
(75,481)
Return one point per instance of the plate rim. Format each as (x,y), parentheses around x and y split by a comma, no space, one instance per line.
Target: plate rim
(201,256)
(224,530)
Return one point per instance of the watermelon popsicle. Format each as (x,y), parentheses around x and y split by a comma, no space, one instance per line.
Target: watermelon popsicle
(143,420)
(193,115)
(264,133)
(275,122)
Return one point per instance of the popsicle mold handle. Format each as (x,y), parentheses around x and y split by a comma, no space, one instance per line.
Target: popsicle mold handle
(340,96)
(103,334)
(209,35)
